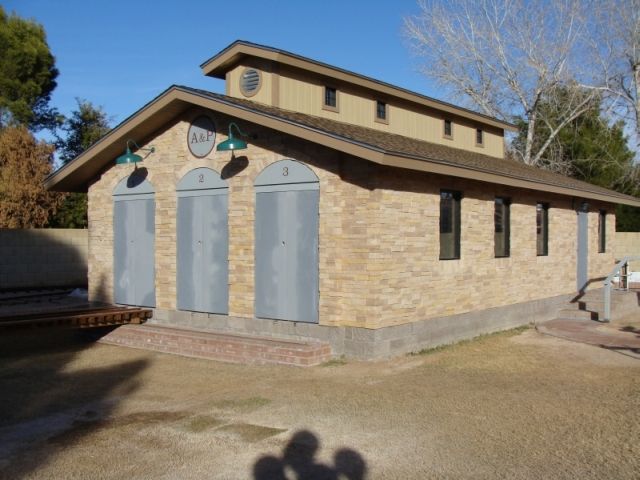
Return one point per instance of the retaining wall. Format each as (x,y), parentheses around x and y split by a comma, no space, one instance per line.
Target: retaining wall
(34,258)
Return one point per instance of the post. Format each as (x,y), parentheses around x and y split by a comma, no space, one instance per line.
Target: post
(607,301)
(618,270)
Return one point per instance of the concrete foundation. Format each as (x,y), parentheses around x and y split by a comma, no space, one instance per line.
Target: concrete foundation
(366,344)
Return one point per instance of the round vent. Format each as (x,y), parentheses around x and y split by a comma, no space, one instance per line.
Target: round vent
(250,82)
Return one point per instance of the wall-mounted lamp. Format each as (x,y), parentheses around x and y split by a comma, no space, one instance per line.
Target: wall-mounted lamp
(232,143)
(130,157)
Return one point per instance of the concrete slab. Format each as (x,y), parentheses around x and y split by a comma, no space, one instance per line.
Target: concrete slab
(614,336)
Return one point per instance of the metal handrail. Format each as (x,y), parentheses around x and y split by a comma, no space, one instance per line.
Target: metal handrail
(607,285)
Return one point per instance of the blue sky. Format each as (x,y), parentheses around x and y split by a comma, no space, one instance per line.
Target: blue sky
(121,54)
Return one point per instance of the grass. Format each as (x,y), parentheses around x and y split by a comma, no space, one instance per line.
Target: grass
(503,333)
(201,423)
(335,362)
(244,404)
(249,432)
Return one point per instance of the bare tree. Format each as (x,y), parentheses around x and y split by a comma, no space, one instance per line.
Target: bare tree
(615,42)
(506,57)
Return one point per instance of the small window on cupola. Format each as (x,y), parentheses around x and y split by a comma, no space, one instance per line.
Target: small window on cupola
(250,82)
(330,99)
(382,114)
(448,128)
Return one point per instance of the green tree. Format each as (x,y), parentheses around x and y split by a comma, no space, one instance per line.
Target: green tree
(86,126)
(627,218)
(27,74)
(588,148)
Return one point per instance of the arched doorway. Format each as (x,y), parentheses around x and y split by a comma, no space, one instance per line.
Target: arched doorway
(202,242)
(134,241)
(286,236)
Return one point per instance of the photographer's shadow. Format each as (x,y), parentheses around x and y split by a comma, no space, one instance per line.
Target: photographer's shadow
(299,457)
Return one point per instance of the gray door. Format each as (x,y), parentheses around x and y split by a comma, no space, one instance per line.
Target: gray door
(583,247)
(203,245)
(134,243)
(286,249)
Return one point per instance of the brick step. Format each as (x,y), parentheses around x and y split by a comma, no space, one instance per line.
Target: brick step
(223,347)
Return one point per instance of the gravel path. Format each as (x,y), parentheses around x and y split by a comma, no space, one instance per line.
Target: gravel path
(513,405)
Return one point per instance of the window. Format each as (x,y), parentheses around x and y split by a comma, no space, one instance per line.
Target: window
(449,224)
(331,98)
(381,111)
(542,229)
(502,227)
(479,136)
(602,231)
(448,128)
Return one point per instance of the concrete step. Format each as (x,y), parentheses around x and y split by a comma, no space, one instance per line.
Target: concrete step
(223,347)
(590,306)
(577,314)
(591,311)
(598,295)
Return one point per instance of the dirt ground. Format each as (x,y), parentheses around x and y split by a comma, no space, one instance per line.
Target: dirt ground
(512,405)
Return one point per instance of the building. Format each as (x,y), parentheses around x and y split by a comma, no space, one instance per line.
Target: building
(372,217)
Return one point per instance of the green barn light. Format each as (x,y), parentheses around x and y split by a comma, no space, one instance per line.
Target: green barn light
(232,143)
(130,157)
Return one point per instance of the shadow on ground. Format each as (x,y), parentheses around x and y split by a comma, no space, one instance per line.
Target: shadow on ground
(631,329)
(299,455)
(46,402)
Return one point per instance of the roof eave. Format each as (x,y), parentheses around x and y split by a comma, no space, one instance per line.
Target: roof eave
(443,168)
(77,174)
(113,144)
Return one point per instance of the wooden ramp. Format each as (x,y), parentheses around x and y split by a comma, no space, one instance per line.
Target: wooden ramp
(87,317)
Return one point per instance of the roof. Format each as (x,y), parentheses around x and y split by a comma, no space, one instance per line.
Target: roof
(373,145)
(218,65)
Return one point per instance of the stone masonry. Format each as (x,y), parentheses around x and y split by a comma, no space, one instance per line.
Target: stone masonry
(379,229)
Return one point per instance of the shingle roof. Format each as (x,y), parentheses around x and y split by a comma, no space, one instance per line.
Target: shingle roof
(218,65)
(395,144)
(374,145)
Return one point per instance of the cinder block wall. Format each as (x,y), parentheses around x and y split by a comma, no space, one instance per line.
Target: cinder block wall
(379,234)
(43,258)
(627,244)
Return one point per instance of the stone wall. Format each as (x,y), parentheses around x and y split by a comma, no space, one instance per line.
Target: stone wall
(379,234)
(627,244)
(410,282)
(339,207)
(43,258)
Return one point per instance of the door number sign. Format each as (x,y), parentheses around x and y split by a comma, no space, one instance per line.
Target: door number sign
(201,136)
